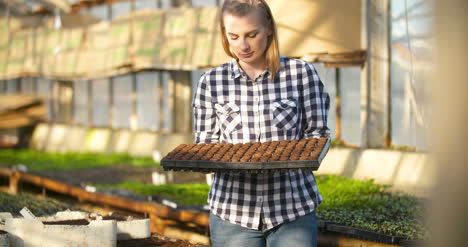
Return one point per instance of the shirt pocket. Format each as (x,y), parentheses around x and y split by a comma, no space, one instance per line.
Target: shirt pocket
(284,114)
(229,117)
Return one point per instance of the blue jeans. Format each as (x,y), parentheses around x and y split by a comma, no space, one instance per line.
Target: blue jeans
(301,232)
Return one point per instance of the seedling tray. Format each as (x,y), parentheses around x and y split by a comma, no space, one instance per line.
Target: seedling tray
(305,154)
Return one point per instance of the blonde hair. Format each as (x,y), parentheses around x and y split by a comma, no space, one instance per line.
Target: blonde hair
(243,8)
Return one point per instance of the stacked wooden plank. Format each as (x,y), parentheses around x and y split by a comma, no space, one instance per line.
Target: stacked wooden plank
(21,110)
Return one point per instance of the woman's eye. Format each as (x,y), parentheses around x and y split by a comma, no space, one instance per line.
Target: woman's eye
(233,38)
(252,35)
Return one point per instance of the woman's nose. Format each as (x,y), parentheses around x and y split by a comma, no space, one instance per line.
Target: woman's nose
(244,45)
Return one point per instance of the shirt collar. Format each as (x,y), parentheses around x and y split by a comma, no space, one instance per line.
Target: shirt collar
(236,70)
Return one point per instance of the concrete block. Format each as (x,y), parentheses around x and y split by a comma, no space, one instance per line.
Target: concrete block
(157,156)
(341,161)
(56,138)
(380,165)
(410,172)
(129,229)
(167,142)
(143,143)
(4,239)
(133,229)
(209,178)
(75,139)
(4,216)
(97,140)
(120,141)
(158,178)
(40,136)
(33,233)
(416,174)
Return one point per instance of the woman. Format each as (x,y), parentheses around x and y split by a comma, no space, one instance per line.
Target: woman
(258,97)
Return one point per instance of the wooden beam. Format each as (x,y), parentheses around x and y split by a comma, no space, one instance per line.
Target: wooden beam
(17,6)
(5,172)
(337,60)
(19,110)
(62,5)
(84,4)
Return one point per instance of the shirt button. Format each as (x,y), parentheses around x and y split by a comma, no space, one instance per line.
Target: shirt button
(255,84)
(256,98)
(256,113)
(260,199)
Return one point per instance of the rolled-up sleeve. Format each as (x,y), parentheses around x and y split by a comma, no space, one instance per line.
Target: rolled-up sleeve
(316,104)
(205,126)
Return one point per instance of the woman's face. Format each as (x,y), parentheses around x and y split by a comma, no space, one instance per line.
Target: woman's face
(247,37)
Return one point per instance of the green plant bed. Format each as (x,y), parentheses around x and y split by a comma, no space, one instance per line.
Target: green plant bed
(186,194)
(44,161)
(348,202)
(370,206)
(38,206)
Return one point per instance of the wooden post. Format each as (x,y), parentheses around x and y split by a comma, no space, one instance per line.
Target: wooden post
(338,104)
(157,225)
(388,134)
(111,109)
(375,89)
(89,102)
(14,183)
(182,95)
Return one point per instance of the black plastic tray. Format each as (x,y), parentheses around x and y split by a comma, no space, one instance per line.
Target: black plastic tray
(214,166)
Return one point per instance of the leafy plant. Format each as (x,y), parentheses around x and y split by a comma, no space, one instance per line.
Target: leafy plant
(366,205)
(349,202)
(338,143)
(44,161)
(38,206)
(187,194)
(403,148)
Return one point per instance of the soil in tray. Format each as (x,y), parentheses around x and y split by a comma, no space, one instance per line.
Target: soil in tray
(121,217)
(117,217)
(287,150)
(114,216)
(68,222)
(155,240)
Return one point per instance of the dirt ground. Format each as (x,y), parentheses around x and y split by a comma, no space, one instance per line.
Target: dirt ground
(118,174)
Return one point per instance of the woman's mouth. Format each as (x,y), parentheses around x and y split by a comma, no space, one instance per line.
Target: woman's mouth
(247,55)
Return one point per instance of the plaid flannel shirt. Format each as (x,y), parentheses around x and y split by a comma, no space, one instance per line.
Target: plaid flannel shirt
(231,108)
